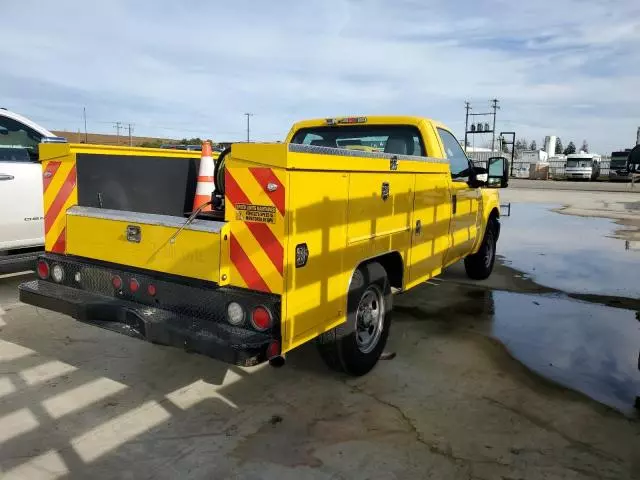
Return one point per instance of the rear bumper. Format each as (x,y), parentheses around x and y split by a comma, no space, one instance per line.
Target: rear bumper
(182,329)
(579,175)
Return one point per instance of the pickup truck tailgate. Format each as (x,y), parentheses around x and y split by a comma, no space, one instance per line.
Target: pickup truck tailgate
(145,241)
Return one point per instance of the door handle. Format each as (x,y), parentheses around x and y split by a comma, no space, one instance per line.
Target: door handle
(454,203)
(6,177)
(385,190)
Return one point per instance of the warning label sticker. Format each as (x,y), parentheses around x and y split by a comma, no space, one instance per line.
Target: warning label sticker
(256,213)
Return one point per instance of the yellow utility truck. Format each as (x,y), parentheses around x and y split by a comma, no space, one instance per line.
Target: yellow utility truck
(307,239)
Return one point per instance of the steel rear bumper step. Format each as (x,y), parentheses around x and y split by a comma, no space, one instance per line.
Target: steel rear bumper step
(223,342)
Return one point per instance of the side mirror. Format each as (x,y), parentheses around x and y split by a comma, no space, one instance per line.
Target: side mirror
(498,172)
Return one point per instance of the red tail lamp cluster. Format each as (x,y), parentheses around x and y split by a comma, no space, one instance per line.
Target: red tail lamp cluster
(133,285)
(260,317)
(55,272)
(43,269)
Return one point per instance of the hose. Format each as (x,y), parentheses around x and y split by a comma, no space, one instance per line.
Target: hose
(218,172)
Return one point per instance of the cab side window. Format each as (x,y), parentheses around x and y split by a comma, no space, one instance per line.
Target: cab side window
(18,142)
(459,163)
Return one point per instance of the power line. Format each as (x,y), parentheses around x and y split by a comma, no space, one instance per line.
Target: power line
(495,107)
(117,126)
(130,131)
(467,107)
(84,115)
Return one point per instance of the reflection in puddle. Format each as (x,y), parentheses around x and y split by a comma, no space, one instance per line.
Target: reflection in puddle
(569,253)
(587,347)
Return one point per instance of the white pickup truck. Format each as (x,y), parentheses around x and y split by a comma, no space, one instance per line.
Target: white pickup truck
(21,208)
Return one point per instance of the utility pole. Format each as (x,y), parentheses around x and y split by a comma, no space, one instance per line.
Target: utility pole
(84,115)
(495,107)
(467,107)
(248,126)
(117,126)
(130,130)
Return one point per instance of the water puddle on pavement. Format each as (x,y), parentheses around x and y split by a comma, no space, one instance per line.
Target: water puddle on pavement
(587,347)
(583,346)
(570,253)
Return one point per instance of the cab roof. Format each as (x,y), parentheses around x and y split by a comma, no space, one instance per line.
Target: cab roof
(25,121)
(363,120)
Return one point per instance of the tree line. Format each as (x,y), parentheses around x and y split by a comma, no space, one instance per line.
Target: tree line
(522,144)
(184,141)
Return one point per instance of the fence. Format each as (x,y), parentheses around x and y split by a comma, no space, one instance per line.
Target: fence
(521,167)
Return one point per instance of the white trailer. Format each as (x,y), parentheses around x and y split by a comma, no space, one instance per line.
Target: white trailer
(582,166)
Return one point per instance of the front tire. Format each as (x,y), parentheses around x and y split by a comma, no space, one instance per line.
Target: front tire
(480,264)
(355,346)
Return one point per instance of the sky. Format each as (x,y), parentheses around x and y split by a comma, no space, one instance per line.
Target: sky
(180,69)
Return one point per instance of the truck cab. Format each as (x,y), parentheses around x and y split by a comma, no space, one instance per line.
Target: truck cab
(21,200)
(307,239)
(618,170)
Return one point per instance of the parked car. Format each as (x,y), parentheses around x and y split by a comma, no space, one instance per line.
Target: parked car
(21,206)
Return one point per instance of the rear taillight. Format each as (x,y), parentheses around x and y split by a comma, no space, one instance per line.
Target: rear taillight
(43,269)
(151,290)
(273,350)
(116,281)
(261,318)
(134,285)
(235,313)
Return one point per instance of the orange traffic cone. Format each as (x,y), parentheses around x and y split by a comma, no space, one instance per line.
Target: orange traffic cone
(205,185)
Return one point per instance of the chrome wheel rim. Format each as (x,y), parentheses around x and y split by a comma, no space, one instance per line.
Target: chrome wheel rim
(488,257)
(369,319)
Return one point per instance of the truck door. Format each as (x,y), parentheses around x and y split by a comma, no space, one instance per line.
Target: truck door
(431,221)
(21,204)
(465,201)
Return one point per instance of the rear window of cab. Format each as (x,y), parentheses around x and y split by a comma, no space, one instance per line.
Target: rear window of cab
(394,139)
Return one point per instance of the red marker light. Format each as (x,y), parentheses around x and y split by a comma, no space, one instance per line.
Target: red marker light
(134,285)
(151,290)
(43,269)
(261,318)
(273,349)
(116,281)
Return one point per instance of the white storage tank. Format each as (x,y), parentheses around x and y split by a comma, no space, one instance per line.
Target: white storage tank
(550,145)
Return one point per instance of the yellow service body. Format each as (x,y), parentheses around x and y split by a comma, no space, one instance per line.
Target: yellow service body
(278,197)
(195,254)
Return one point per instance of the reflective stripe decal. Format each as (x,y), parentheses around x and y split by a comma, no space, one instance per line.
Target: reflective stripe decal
(61,242)
(233,191)
(246,269)
(257,223)
(61,198)
(268,242)
(265,176)
(48,174)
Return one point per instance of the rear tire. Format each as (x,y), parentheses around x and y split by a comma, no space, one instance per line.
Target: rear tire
(355,346)
(480,264)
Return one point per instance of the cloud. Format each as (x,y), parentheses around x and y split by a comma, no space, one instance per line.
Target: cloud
(180,70)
